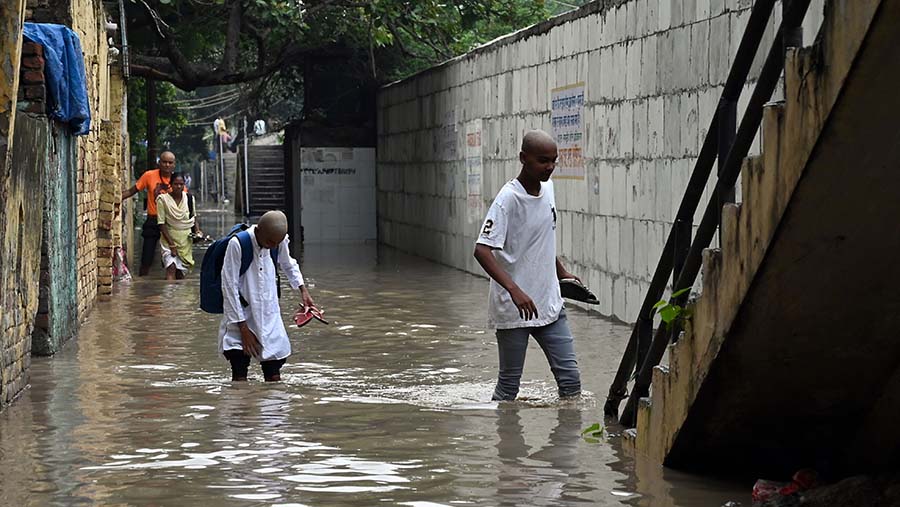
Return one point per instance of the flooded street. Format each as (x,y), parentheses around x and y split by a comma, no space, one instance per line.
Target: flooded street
(389,405)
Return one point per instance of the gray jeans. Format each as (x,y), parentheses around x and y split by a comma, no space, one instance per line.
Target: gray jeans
(557,343)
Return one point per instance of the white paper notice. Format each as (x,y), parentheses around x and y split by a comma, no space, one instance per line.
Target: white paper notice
(567,119)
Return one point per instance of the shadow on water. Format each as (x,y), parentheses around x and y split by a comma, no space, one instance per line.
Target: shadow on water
(388,405)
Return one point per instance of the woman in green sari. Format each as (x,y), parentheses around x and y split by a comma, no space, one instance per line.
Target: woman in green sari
(175,224)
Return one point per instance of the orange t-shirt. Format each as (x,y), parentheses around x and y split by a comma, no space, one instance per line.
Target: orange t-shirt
(154,184)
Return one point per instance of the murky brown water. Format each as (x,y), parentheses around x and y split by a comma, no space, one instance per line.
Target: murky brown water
(387,406)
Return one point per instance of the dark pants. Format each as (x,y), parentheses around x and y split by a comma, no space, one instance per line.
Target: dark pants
(150,233)
(240,364)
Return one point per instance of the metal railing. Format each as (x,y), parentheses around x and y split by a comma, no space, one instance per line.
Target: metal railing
(681,257)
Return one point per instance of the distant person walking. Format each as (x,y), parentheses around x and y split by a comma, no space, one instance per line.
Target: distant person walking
(517,248)
(252,325)
(155,182)
(176,222)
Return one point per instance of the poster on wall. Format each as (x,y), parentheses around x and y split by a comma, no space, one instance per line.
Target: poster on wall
(567,120)
(445,139)
(474,161)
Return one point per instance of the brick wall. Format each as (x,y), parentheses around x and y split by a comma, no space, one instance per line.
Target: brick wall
(13,356)
(653,72)
(88,21)
(32,92)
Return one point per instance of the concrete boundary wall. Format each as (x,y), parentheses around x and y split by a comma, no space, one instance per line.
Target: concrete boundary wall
(652,71)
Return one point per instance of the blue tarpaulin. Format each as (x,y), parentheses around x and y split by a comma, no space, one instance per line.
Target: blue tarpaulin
(63,74)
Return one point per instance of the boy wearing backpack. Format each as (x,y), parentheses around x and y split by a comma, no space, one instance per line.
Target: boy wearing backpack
(251,324)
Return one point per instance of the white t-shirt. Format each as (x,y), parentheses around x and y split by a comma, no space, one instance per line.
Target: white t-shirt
(522,228)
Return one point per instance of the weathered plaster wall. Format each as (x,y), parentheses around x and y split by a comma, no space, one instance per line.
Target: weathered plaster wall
(25,208)
(88,21)
(653,73)
(57,319)
(13,356)
(52,155)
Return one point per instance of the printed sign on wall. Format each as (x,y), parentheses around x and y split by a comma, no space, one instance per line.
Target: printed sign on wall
(337,191)
(474,161)
(445,138)
(567,119)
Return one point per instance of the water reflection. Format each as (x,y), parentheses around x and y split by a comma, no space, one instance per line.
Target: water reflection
(389,405)
(547,475)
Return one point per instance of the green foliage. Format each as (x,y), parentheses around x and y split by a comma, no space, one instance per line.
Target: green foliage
(427,32)
(170,120)
(593,433)
(670,312)
(397,36)
(186,43)
(560,6)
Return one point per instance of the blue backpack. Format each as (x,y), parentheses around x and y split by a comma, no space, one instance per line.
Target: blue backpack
(211,300)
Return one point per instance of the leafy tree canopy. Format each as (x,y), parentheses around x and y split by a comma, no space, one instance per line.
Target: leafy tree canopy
(198,43)
(247,56)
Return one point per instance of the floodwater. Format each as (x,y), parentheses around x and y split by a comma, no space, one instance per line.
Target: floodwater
(389,405)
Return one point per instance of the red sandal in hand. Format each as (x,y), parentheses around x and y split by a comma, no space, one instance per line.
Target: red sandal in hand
(306,314)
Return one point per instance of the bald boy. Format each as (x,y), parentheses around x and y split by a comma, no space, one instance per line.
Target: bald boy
(517,249)
(251,326)
(156,183)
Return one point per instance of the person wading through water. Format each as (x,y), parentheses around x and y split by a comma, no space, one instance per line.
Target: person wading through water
(155,182)
(517,248)
(251,325)
(176,222)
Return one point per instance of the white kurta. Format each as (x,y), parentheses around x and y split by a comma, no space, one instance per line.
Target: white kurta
(258,286)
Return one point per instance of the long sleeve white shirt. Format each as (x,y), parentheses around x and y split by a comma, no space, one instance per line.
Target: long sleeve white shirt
(258,286)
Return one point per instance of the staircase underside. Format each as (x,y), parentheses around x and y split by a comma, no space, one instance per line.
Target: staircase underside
(809,374)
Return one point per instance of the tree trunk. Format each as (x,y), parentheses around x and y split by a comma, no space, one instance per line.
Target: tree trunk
(152,143)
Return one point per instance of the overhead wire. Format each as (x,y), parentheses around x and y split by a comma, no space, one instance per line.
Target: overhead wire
(217,102)
(230,91)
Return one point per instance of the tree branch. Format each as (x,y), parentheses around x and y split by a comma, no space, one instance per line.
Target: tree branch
(440,52)
(232,38)
(372,41)
(399,40)
(176,57)
(259,37)
(147,72)
(173,66)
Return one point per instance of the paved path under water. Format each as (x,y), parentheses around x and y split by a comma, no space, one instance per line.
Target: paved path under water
(389,405)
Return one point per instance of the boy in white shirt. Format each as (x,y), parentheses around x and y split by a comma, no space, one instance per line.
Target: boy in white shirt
(517,249)
(251,324)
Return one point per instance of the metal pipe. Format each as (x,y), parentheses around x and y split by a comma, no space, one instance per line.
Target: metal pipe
(793,35)
(221,171)
(246,172)
(727,125)
(126,69)
(683,231)
(203,180)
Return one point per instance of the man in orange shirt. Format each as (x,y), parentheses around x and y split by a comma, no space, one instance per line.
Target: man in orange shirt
(155,182)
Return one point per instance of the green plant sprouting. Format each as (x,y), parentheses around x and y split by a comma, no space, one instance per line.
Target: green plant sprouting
(670,312)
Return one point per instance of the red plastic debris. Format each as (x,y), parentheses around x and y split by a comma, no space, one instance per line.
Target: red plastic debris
(803,480)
